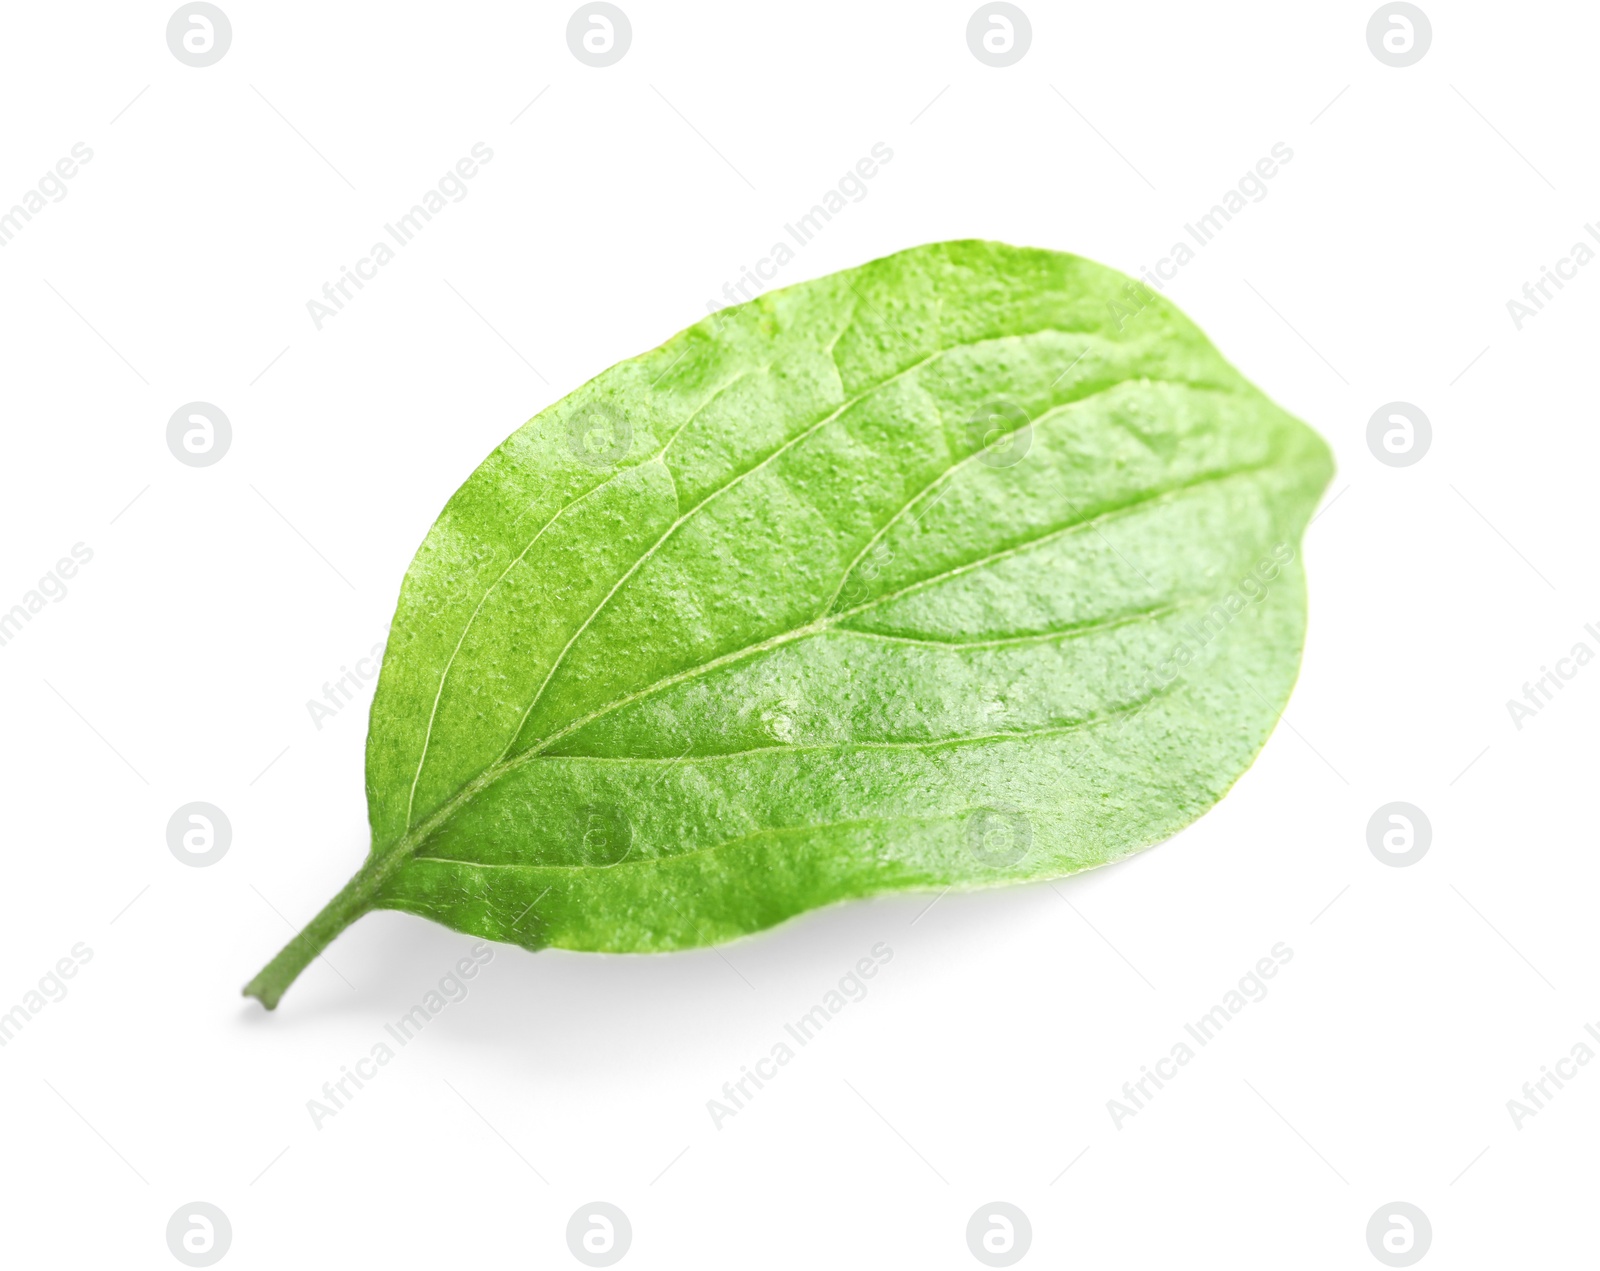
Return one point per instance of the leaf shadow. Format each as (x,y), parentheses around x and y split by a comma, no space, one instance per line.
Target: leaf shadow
(566,1020)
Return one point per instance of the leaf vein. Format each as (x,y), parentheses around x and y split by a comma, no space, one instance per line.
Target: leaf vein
(950,471)
(831,623)
(444,674)
(650,552)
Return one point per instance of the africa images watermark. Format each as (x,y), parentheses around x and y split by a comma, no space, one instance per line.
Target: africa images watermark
(1538,694)
(1250,188)
(852,186)
(52,988)
(1251,987)
(1192,639)
(1537,1094)
(52,185)
(51,587)
(339,693)
(1537,294)
(737,1094)
(404,230)
(1195,636)
(453,987)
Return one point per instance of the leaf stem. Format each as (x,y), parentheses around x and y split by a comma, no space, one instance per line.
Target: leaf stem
(354,899)
(357,897)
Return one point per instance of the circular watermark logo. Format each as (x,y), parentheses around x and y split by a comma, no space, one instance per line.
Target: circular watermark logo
(1399,834)
(999,1234)
(199,35)
(599,1234)
(604,835)
(199,1234)
(999,33)
(599,436)
(998,837)
(599,34)
(198,434)
(1399,34)
(1001,432)
(199,834)
(1398,434)
(1399,1234)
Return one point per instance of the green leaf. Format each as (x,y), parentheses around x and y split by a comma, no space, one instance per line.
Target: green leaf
(973,565)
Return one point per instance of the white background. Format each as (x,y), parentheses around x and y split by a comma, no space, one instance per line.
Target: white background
(178,666)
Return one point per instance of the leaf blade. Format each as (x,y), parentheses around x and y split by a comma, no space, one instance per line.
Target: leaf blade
(766,617)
